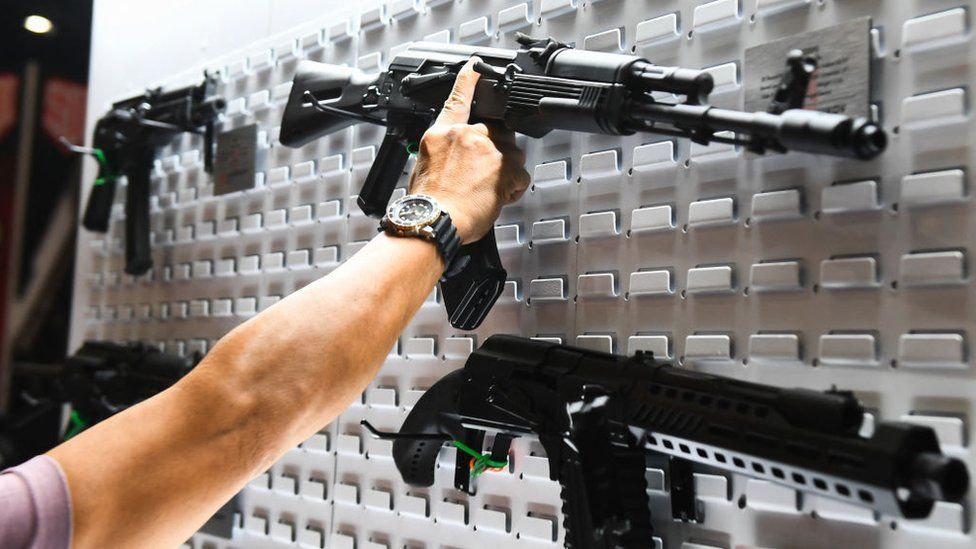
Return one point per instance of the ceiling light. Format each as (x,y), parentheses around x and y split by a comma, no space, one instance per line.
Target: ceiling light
(38,24)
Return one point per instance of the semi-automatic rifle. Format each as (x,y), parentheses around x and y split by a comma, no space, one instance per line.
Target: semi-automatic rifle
(598,415)
(543,86)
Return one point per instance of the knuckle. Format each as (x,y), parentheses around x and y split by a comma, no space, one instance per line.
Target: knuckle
(432,141)
(470,139)
(496,157)
(485,146)
(456,131)
(433,134)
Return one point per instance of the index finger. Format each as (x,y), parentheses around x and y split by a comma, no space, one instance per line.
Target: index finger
(457,108)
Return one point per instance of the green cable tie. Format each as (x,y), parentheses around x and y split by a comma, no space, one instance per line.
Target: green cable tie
(77,424)
(100,157)
(481,461)
(413,147)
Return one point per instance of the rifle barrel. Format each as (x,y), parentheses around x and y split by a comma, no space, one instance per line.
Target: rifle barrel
(796,129)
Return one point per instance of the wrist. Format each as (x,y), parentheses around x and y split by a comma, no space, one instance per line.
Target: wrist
(462,224)
(423,247)
(421,216)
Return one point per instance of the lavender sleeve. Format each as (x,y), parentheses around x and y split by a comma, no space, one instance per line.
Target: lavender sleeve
(35,506)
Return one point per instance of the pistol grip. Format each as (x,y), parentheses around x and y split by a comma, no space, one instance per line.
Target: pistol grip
(98,210)
(473,288)
(434,413)
(138,257)
(383,175)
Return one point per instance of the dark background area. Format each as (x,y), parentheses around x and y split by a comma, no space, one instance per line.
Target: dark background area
(43,85)
(61,57)
(64,51)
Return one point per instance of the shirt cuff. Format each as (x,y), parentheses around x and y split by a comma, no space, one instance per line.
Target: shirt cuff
(50,501)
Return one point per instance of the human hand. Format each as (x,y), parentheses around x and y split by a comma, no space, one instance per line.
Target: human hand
(472,170)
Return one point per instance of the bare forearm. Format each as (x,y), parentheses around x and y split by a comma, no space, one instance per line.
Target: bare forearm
(315,351)
(162,467)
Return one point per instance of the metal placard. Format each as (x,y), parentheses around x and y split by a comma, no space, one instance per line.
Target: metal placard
(234,165)
(842,81)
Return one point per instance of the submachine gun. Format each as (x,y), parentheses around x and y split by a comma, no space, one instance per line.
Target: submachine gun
(598,414)
(543,86)
(125,144)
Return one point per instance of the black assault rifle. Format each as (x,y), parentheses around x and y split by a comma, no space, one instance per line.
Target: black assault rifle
(597,414)
(544,86)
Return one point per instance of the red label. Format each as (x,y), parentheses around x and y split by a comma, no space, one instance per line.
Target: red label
(63,111)
(8,102)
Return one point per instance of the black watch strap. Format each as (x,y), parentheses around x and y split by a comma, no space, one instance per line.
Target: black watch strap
(447,239)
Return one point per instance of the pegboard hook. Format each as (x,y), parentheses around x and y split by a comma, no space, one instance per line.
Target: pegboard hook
(389,435)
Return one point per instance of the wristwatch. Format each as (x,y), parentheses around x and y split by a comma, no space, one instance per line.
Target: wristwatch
(420,216)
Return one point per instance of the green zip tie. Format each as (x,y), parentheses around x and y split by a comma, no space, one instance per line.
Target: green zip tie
(77,424)
(100,157)
(481,461)
(413,147)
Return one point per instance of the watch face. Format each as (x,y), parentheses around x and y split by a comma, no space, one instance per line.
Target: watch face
(413,211)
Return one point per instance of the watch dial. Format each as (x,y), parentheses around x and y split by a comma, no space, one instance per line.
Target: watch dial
(414,211)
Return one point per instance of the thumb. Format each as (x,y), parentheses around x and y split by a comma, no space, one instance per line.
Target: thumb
(457,108)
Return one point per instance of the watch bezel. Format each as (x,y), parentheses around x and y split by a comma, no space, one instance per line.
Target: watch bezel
(394,220)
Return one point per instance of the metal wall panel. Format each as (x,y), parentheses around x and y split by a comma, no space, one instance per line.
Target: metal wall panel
(793,270)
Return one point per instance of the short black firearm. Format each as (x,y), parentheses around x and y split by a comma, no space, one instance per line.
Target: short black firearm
(599,416)
(99,380)
(544,86)
(125,144)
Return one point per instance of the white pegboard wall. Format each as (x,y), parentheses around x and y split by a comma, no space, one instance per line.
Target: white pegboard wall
(793,270)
